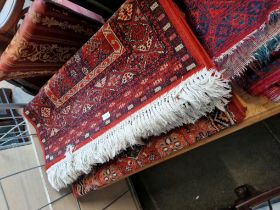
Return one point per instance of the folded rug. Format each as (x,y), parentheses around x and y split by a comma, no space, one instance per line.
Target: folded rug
(143,73)
(231,30)
(48,36)
(159,149)
(269,84)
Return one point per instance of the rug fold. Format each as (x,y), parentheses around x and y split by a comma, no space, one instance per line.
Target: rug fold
(142,74)
(185,104)
(160,148)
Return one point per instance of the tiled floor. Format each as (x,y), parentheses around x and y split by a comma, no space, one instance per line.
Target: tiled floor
(24,190)
(24,185)
(115,197)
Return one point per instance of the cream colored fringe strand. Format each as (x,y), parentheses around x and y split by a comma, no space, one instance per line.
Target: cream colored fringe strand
(184,104)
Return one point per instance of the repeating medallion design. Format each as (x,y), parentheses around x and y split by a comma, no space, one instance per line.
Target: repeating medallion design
(132,58)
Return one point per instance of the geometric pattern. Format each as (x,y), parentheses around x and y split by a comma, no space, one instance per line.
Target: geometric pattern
(133,59)
(221,24)
(48,36)
(118,50)
(159,148)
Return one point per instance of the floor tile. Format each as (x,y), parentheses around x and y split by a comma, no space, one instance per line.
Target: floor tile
(17,159)
(47,208)
(126,202)
(66,203)
(25,191)
(3,203)
(99,199)
(38,150)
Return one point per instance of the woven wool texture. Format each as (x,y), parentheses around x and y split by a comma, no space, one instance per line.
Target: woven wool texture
(143,73)
(231,30)
(266,83)
(47,38)
(157,149)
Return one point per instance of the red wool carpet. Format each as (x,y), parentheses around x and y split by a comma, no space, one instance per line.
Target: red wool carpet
(143,73)
(232,30)
(159,149)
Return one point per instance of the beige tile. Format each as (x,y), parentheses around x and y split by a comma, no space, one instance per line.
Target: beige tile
(36,143)
(99,199)
(25,191)
(30,127)
(3,203)
(17,159)
(126,202)
(48,207)
(38,150)
(66,203)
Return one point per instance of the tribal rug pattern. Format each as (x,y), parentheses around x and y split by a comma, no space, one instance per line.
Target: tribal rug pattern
(48,36)
(143,73)
(231,30)
(269,83)
(263,75)
(157,149)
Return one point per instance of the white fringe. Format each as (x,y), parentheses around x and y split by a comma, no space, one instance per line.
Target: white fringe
(234,61)
(184,104)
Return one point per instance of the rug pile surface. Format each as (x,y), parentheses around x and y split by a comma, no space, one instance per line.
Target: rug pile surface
(263,80)
(232,30)
(159,148)
(48,36)
(142,74)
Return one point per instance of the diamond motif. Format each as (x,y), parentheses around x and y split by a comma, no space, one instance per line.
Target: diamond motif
(45,112)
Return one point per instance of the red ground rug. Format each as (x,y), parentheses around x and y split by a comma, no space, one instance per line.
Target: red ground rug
(48,36)
(269,85)
(263,76)
(231,30)
(158,149)
(142,74)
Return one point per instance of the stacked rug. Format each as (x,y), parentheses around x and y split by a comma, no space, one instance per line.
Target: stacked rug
(142,74)
(237,34)
(158,149)
(263,78)
(48,36)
